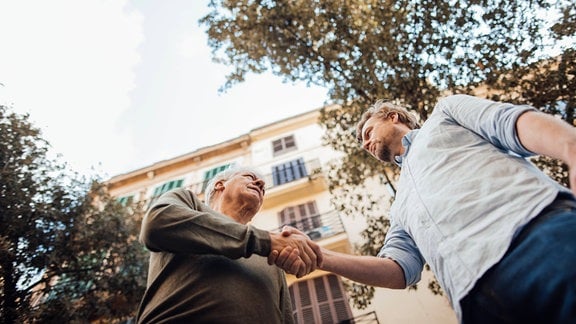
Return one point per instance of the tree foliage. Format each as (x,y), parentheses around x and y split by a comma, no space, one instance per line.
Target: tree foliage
(68,251)
(408,51)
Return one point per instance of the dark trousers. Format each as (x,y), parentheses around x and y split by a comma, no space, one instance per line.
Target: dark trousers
(535,282)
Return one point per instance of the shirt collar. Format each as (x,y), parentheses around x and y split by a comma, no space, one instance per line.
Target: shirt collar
(406,142)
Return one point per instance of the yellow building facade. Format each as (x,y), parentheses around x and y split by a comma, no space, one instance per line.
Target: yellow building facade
(290,155)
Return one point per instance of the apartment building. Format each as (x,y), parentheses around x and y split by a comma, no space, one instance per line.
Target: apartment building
(290,155)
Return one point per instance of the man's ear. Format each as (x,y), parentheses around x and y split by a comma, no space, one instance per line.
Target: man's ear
(219,186)
(394,117)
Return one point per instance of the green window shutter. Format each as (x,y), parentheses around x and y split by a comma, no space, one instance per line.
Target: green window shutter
(179,183)
(126,200)
(208,175)
(165,187)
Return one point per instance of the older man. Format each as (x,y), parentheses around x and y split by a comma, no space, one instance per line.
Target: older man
(208,266)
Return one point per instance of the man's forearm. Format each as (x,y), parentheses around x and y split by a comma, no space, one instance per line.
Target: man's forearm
(369,270)
(544,134)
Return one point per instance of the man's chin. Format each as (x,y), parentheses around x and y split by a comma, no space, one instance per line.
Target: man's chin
(385,156)
(257,197)
(382,158)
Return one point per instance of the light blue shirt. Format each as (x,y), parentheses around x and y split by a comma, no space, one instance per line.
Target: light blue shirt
(464,191)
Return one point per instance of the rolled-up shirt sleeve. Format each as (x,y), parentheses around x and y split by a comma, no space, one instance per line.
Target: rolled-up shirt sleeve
(400,247)
(493,121)
(180,223)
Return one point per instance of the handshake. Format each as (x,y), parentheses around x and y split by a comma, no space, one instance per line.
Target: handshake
(294,252)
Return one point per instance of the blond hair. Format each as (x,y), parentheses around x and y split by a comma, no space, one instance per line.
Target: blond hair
(383,109)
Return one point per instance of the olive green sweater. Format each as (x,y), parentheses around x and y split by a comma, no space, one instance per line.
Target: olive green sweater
(207,268)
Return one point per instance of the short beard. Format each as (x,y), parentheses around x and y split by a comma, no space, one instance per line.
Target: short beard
(385,155)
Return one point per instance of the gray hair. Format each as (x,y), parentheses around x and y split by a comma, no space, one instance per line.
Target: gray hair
(225,175)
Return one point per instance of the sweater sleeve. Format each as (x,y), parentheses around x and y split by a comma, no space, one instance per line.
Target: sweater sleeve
(180,223)
(285,302)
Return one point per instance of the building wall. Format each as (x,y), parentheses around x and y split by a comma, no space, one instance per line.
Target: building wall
(255,149)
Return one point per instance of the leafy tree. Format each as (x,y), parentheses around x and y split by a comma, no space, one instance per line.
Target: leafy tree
(549,84)
(68,251)
(406,50)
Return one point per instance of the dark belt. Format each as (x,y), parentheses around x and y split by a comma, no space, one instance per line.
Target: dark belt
(563,202)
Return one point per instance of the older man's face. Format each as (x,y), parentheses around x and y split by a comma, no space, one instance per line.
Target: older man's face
(246,186)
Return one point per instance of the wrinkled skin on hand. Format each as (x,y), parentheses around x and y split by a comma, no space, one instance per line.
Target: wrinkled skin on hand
(294,252)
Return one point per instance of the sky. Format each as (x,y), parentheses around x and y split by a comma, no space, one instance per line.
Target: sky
(118,85)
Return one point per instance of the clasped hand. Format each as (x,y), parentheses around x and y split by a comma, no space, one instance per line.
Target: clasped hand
(294,252)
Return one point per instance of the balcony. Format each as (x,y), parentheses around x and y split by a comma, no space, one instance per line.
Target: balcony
(368,318)
(291,182)
(319,227)
(286,183)
(294,174)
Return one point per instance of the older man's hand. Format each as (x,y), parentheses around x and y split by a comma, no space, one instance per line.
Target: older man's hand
(294,252)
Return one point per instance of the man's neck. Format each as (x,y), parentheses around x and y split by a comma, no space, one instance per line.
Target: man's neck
(240,213)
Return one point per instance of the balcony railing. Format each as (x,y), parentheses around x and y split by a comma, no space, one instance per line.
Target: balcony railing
(319,227)
(281,177)
(368,318)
